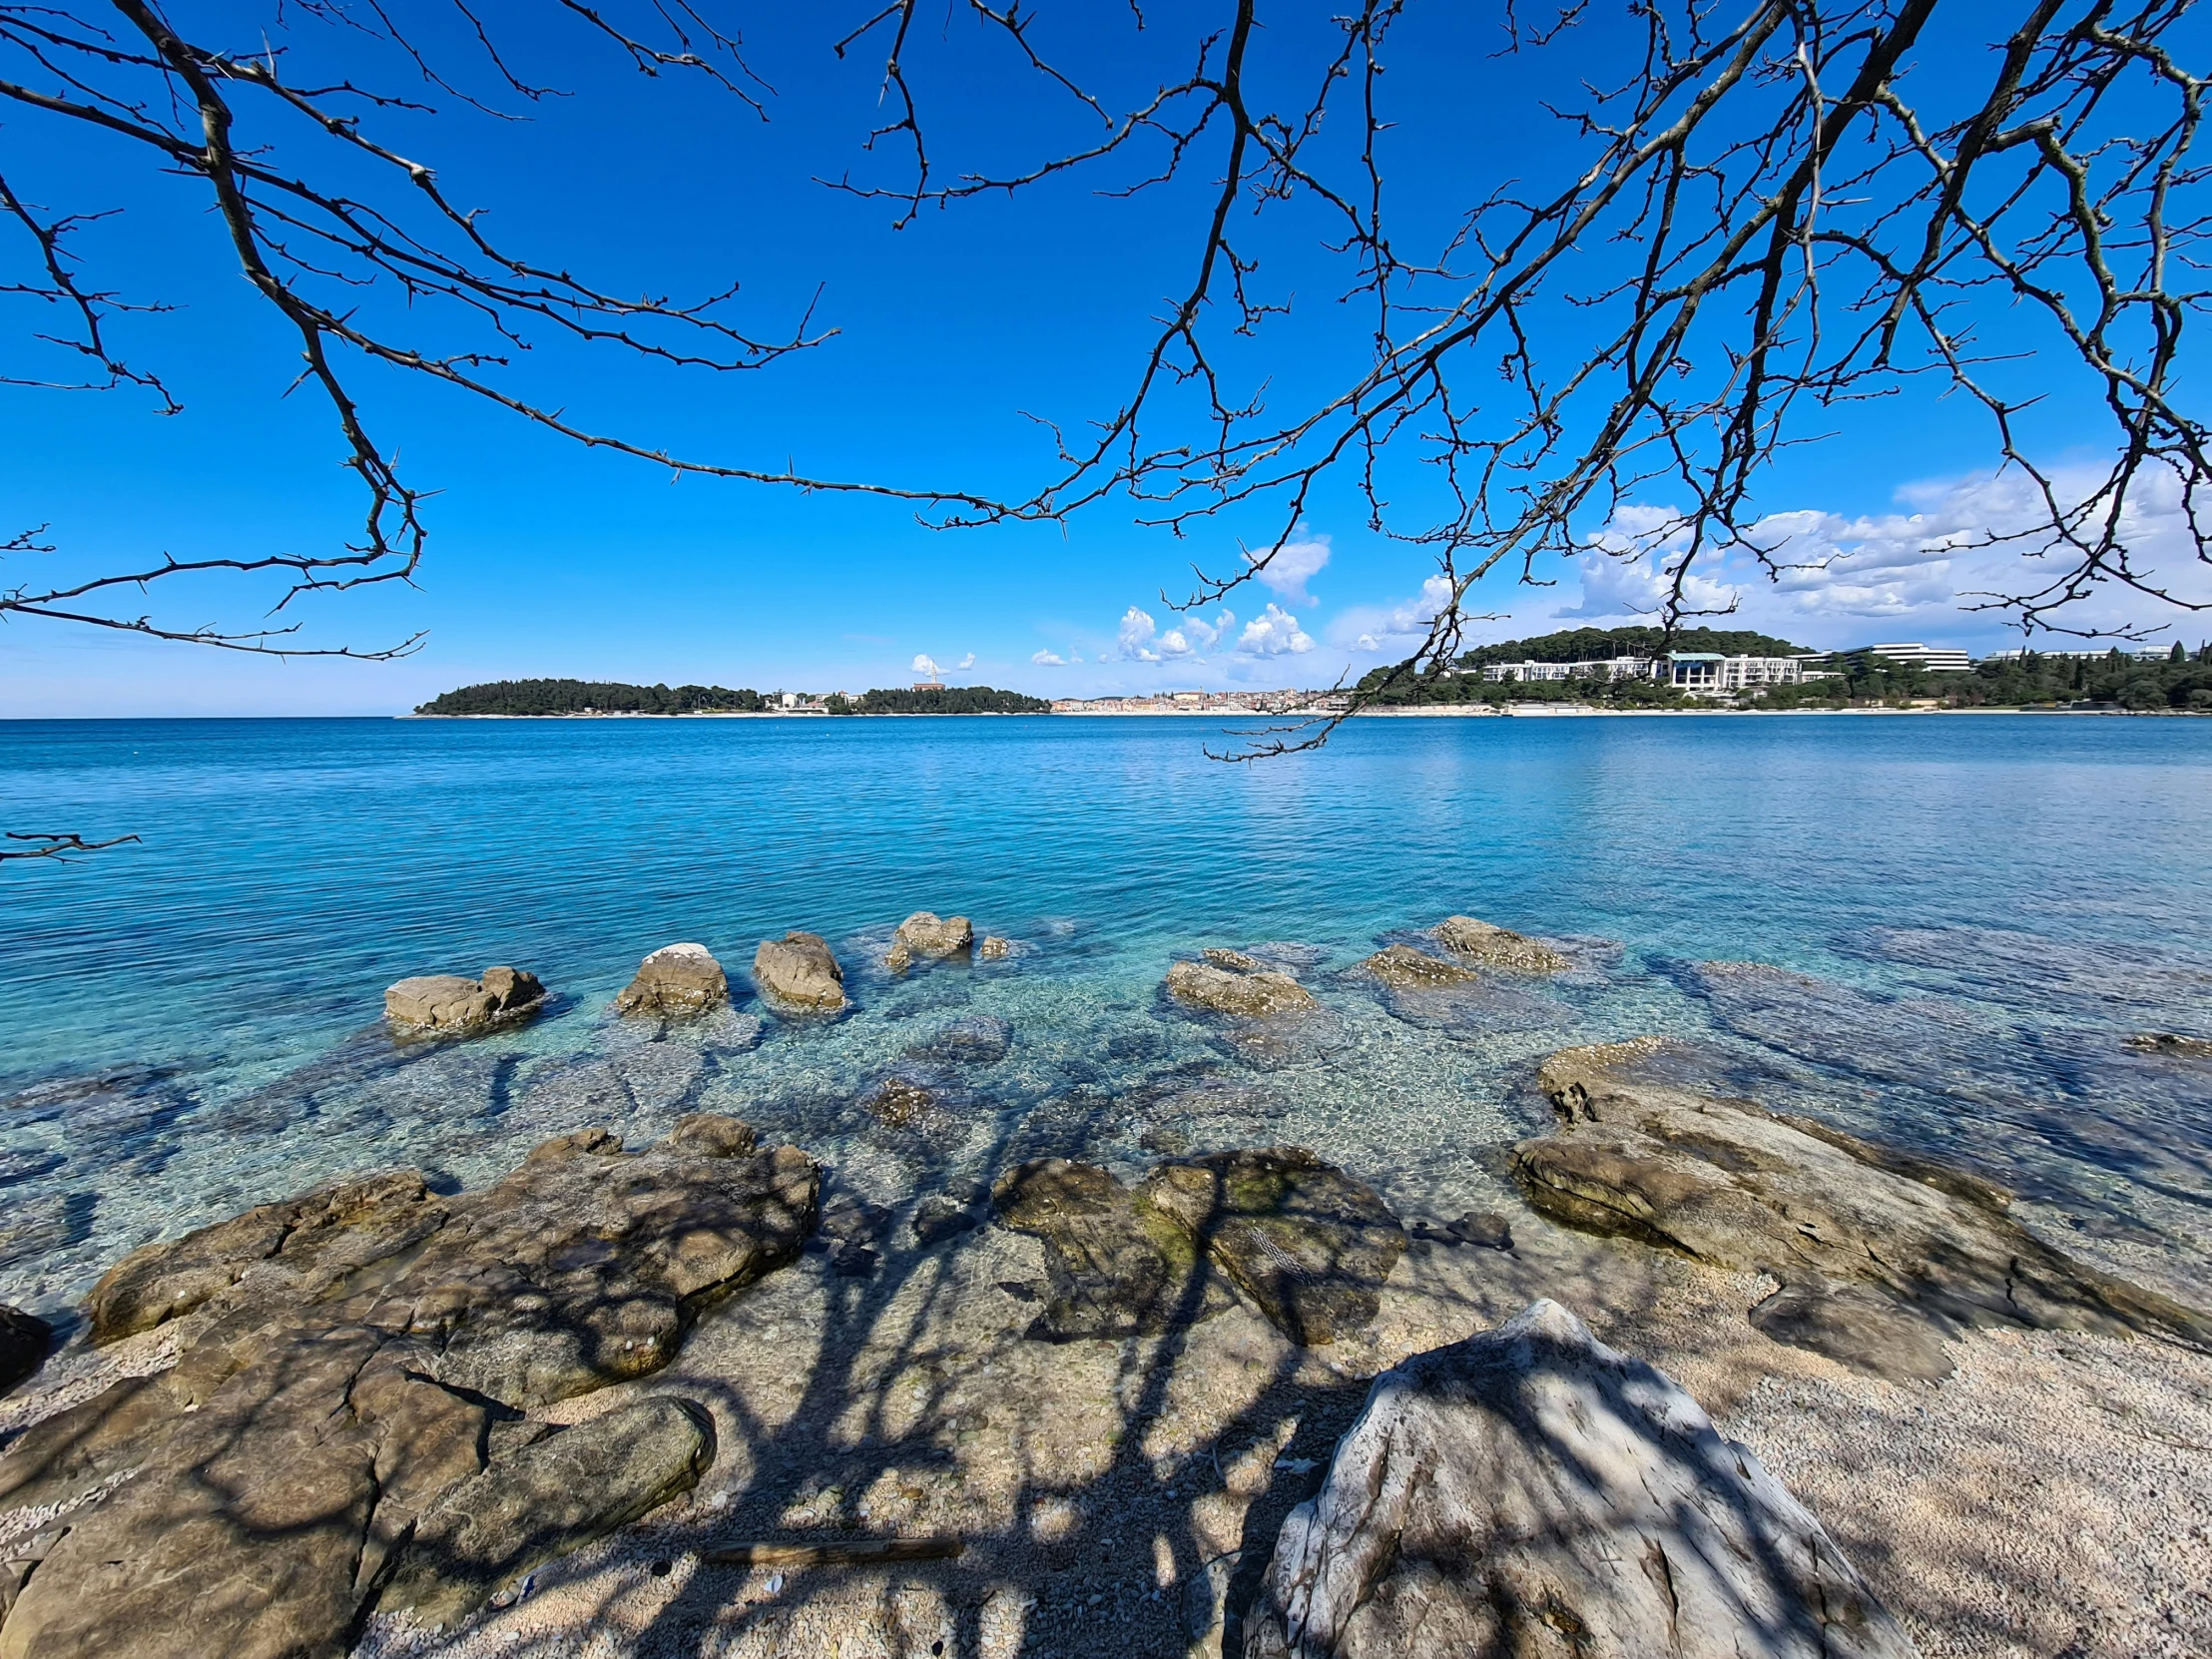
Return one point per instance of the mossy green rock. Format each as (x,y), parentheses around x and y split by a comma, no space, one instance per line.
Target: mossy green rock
(1303,1239)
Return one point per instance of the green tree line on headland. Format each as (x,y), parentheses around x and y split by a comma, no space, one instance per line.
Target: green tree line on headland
(949,700)
(2181,681)
(577,696)
(1400,686)
(603,696)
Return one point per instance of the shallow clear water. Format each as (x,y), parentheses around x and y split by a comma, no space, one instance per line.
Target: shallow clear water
(1983,906)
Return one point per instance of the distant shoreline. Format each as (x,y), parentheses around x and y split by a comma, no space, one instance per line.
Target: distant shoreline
(1459,711)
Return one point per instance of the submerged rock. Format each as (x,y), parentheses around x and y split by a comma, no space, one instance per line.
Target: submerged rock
(1498,948)
(1307,1243)
(979,1040)
(356,1355)
(1257,995)
(1236,961)
(1485,1228)
(676,979)
(925,936)
(23,1338)
(551,1496)
(904,1103)
(1530,1491)
(1402,966)
(941,1217)
(2170,1045)
(799,972)
(1881,1254)
(448,1004)
(995,948)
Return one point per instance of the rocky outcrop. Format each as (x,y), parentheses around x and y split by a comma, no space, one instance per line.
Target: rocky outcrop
(1530,1491)
(1496,947)
(1113,1268)
(23,1338)
(799,971)
(995,948)
(447,1004)
(1405,968)
(676,979)
(358,1357)
(926,936)
(1247,996)
(1234,961)
(1881,1254)
(1307,1244)
(547,1499)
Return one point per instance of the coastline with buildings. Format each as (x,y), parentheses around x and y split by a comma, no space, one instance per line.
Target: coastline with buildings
(1588,671)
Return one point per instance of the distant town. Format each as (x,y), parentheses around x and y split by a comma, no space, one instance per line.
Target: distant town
(1619,668)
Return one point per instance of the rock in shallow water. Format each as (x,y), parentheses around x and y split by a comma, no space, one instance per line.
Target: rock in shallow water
(1492,947)
(676,979)
(1402,966)
(1881,1254)
(356,1350)
(925,936)
(448,1004)
(799,972)
(1247,996)
(1529,1492)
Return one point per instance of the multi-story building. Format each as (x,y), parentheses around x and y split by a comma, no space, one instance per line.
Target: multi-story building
(1716,674)
(1937,659)
(1605,668)
(2135,654)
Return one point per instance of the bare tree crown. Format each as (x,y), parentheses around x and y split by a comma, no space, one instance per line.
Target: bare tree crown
(1770,213)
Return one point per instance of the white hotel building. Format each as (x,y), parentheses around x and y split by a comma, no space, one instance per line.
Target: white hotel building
(1699,673)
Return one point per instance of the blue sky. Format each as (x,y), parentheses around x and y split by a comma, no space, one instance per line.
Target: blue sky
(549,560)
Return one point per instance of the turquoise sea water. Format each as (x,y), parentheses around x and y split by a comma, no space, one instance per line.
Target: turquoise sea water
(1978,911)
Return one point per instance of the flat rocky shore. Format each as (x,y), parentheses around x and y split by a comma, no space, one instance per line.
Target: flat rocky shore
(1721,1380)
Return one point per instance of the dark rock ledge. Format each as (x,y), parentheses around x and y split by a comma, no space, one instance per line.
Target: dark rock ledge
(344,1427)
(1310,1247)
(1881,1254)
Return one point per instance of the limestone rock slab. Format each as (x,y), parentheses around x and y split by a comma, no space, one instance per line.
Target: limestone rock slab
(1881,1254)
(450,1004)
(676,979)
(1498,947)
(1529,1492)
(546,1499)
(799,972)
(1247,996)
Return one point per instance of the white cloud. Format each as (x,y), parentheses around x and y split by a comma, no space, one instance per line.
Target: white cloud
(1274,633)
(1050,659)
(1916,570)
(1134,640)
(1139,639)
(1391,627)
(927,666)
(1295,562)
(965,663)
